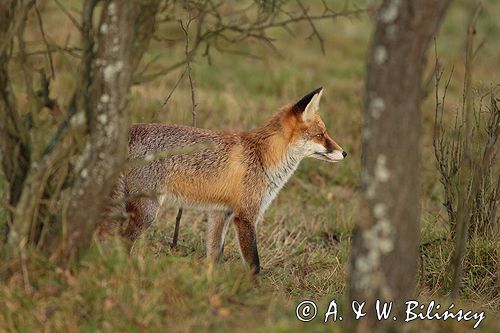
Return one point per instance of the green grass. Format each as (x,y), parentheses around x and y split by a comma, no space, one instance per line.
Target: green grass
(304,239)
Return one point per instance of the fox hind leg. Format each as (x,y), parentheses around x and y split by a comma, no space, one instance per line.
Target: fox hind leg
(218,223)
(142,213)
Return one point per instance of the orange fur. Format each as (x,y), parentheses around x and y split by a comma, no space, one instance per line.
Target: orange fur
(225,191)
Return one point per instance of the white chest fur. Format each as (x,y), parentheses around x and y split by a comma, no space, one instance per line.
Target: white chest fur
(277,177)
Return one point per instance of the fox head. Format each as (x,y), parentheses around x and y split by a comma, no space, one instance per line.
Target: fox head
(310,134)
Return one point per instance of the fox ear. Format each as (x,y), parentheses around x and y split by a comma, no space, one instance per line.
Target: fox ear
(308,105)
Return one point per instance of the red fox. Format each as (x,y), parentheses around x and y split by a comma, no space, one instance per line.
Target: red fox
(235,179)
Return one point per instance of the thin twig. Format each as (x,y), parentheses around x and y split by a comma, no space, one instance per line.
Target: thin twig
(313,27)
(72,51)
(24,268)
(190,73)
(193,114)
(68,14)
(466,171)
(149,77)
(157,112)
(49,54)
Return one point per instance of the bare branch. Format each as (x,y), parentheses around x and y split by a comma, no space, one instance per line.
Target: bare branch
(157,112)
(149,77)
(49,54)
(68,14)
(313,27)
(193,111)
(189,70)
(466,170)
(18,21)
(219,29)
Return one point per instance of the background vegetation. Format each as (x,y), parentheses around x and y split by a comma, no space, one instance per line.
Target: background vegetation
(305,237)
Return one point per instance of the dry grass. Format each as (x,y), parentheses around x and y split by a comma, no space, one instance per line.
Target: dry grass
(305,237)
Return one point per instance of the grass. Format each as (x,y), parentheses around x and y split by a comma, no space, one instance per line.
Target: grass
(305,238)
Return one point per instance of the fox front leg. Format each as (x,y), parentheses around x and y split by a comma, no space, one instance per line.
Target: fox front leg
(247,239)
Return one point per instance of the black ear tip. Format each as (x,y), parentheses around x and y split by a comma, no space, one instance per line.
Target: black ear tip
(301,105)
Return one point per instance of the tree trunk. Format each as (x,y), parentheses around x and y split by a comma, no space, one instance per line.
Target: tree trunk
(385,241)
(124,30)
(15,144)
(110,55)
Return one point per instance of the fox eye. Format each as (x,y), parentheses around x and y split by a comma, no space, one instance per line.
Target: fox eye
(320,135)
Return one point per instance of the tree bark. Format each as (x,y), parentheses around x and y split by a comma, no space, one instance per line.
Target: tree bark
(385,242)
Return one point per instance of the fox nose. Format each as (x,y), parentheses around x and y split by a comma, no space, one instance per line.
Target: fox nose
(344,153)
